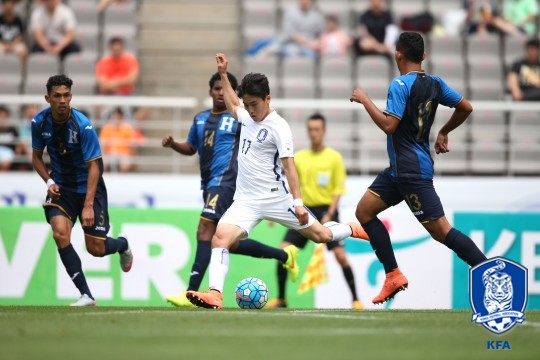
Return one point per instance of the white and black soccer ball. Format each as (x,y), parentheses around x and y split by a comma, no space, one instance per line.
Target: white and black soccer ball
(251,293)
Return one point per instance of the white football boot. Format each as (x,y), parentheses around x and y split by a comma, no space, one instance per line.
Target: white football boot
(126,258)
(84,300)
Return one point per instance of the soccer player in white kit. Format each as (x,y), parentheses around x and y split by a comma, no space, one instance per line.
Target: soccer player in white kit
(266,148)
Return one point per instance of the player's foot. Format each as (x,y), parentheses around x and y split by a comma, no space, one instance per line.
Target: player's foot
(84,300)
(212,299)
(357,305)
(394,283)
(126,258)
(358,231)
(292,265)
(277,303)
(179,300)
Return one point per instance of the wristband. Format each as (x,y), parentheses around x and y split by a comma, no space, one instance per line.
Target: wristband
(298,202)
(50,182)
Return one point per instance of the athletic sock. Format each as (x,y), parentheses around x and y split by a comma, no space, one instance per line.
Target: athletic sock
(339,231)
(349,277)
(202,259)
(380,242)
(464,247)
(219,267)
(256,249)
(73,266)
(115,245)
(282,280)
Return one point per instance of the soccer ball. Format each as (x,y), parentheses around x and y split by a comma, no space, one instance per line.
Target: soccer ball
(251,293)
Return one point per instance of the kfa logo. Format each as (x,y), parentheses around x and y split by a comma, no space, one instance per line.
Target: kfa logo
(263,133)
(73,137)
(498,294)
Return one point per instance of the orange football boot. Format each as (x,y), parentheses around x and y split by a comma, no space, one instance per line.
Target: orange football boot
(358,231)
(212,299)
(394,283)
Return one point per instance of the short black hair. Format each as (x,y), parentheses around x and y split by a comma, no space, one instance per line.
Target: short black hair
(217,77)
(58,80)
(5,109)
(411,45)
(318,116)
(116,39)
(533,43)
(254,84)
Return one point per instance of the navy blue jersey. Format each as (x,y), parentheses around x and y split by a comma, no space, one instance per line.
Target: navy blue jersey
(70,145)
(216,136)
(413,99)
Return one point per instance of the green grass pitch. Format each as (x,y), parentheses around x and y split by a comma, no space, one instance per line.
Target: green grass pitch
(170,333)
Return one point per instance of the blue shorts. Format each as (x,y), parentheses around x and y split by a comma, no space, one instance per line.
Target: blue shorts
(217,200)
(70,204)
(419,194)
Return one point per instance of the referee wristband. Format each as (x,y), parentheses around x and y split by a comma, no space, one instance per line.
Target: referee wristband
(50,182)
(298,202)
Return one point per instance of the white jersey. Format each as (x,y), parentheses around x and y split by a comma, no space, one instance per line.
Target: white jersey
(262,145)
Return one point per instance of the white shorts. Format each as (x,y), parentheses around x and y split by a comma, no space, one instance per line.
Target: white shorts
(246,214)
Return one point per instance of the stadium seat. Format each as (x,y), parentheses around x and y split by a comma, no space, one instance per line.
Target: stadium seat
(453,162)
(373,156)
(121,14)
(9,86)
(267,65)
(80,64)
(11,69)
(41,63)
(524,158)
(514,50)
(488,158)
(35,84)
(84,85)
(406,8)
(335,78)
(259,14)
(483,47)
(524,127)
(298,78)
(339,8)
(443,114)
(452,71)
(339,116)
(446,46)
(488,125)
(87,37)
(85,11)
(373,75)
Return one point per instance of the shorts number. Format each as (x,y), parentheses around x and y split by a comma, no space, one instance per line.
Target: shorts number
(413,201)
(423,116)
(212,202)
(244,146)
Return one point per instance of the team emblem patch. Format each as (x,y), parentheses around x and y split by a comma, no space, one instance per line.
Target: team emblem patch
(263,133)
(498,294)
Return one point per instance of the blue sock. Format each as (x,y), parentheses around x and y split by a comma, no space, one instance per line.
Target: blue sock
(115,245)
(379,238)
(202,259)
(464,247)
(73,266)
(259,250)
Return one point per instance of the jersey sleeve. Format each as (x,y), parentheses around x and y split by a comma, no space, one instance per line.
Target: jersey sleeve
(338,176)
(284,141)
(397,99)
(37,140)
(449,96)
(193,137)
(243,115)
(89,142)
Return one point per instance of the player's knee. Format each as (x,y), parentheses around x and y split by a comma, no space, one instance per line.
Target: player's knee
(61,238)
(220,241)
(206,230)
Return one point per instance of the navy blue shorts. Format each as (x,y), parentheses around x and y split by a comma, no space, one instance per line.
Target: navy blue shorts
(217,200)
(419,194)
(298,240)
(70,204)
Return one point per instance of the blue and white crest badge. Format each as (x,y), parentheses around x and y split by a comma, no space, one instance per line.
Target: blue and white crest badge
(498,294)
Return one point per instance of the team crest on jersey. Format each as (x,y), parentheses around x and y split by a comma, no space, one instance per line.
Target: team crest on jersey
(73,137)
(261,136)
(498,294)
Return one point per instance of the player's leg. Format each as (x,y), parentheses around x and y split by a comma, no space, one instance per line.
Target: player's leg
(338,249)
(205,232)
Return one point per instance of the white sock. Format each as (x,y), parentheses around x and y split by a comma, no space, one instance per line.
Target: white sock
(339,231)
(219,267)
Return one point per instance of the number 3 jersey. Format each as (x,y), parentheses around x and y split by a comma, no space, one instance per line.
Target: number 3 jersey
(413,99)
(262,145)
(215,137)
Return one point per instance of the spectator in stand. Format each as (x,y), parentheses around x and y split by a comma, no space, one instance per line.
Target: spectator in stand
(376,30)
(9,137)
(522,14)
(11,31)
(334,41)
(53,27)
(104,4)
(524,77)
(302,26)
(118,139)
(117,72)
(484,17)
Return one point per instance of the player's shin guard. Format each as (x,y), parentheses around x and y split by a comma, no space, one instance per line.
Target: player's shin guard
(464,247)
(339,231)
(202,259)
(219,267)
(113,246)
(73,266)
(379,238)
(256,249)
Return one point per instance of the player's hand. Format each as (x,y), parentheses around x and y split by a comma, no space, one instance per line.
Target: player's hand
(87,216)
(222,63)
(358,96)
(53,192)
(167,141)
(441,144)
(301,214)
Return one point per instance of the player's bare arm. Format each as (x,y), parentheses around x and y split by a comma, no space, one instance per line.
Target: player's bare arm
(183,148)
(460,114)
(294,186)
(231,99)
(386,123)
(53,190)
(87,215)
